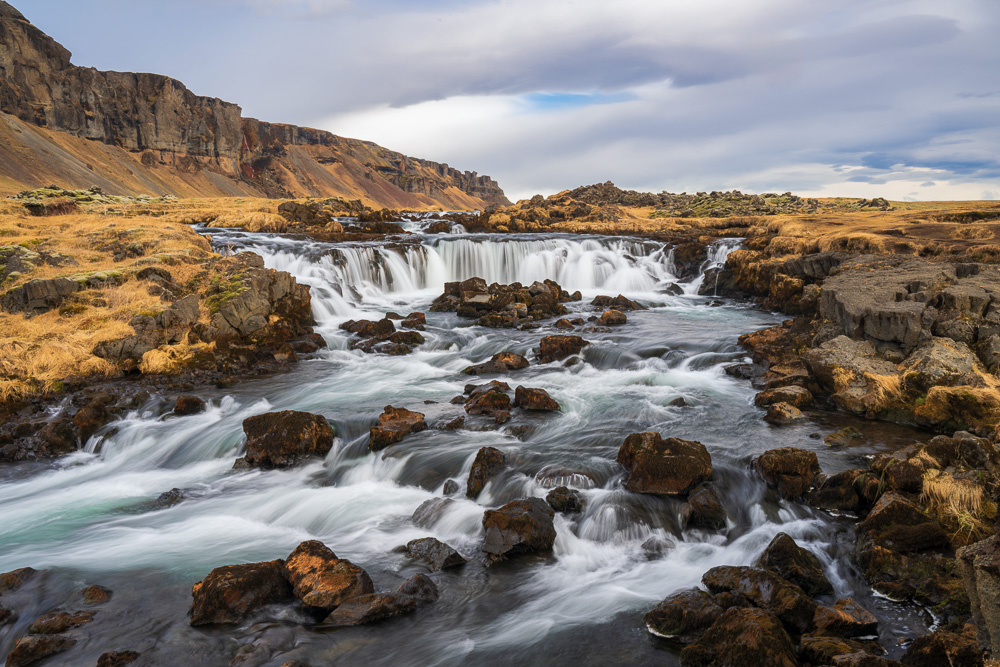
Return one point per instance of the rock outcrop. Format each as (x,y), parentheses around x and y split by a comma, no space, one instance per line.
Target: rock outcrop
(504,306)
(232,592)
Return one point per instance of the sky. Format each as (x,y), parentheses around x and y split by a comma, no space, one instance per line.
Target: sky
(858,98)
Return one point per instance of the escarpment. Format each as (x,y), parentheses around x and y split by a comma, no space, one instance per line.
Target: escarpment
(158,135)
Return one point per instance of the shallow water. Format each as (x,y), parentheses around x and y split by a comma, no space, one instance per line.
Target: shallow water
(88,517)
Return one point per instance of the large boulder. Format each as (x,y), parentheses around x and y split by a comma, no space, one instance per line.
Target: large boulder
(704,509)
(742,636)
(612,318)
(393,425)
(795,565)
(488,463)
(846,618)
(790,469)
(897,524)
(32,649)
(559,347)
(322,580)
(280,439)
(565,500)
(619,303)
(520,526)
(683,616)
(488,399)
(661,466)
(979,566)
(766,590)
(502,362)
(840,492)
(39,296)
(537,400)
(943,648)
(433,553)
(231,593)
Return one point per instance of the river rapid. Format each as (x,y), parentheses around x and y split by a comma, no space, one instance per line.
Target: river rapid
(90,517)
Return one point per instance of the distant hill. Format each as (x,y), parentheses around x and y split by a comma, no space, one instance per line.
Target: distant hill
(147,133)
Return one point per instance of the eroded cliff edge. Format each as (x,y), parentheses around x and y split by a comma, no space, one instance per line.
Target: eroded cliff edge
(186,144)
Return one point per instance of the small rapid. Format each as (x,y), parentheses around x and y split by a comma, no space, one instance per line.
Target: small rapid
(95,514)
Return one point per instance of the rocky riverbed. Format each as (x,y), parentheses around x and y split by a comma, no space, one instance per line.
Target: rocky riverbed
(580,459)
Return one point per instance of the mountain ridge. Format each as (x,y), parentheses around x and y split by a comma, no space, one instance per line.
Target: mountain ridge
(176,135)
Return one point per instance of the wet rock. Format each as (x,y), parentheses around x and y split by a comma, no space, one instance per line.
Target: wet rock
(612,318)
(782,414)
(503,362)
(95,414)
(683,616)
(839,493)
(322,580)
(742,636)
(6,615)
(799,397)
(843,437)
(59,622)
(231,593)
(740,371)
(11,581)
(281,439)
(33,648)
(765,590)
(565,500)
(421,588)
(846,618)
(414,321)
(821,650)
(668,466)
(454,424)
(434,554)
(505,306)
(979,567)
(679,402)
(117,658)
(450,487)
(559,347)
(488,463)
(703,509)
(897,524)
(943,648)
(519,527)
(563,323)
(527,398)
(429,511)
(371,608)
(188,405)
(790,469)
(619,303)
(488,399)
(95,595)
(393,425)
(860,659)
(169,498)
(795,565)
(655,547)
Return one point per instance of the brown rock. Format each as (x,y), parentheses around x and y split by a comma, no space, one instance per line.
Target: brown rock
(943,648)
(421,588)
(612,318)
(60,621)
(795,565)
(799,397)
(838,493)
(781,414)
(563,499)
(765,590)
(663,466)
(822,650)
(188,405)
(371,608)
(488,463)
(95,595)
(502,362)
(117,658)
(393,425)
(488,399)
(703,509)
(322,580)
(527,398)
(790,469)
(846,618)
(33,648)
(11,581)
(520,526)
(280,439)
(434,554)
(619,302)
(897,524)
(683,616)
(742,636)
(231,593)
(556,348)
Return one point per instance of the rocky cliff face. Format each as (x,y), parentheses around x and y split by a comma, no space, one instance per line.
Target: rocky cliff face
(167,127)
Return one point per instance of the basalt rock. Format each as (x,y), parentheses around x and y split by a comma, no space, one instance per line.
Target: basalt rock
(799,397)
(488,463)
(434,554)
(557,348)
(281,439)
(846,618)
(371,608)
(519,527)
(322,580)
(704,509)
(823,650)
(683,616)
(488,399)
(59,622)
(766,590)
(790,469)
(795,565)
(742,636)
(393,425)
(840,492)
(117,658)
(537,400)
(564,500)
(898,524)
(32,649)
(943,647)
(782,414)
(618,303)
(13,580)
(95,595)
(612,318)
(503,362)
(188,405)
(229,594)
(503,306)
(661,466)
(421,588)
(979,566)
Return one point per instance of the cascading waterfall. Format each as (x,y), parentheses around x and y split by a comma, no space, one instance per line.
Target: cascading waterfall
(94,514)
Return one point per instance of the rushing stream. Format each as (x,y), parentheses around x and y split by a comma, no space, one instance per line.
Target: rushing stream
(89,517)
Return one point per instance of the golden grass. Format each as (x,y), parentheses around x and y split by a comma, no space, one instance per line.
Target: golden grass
(883,391)
(960,504)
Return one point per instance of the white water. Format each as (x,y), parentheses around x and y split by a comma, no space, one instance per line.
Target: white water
(87,514)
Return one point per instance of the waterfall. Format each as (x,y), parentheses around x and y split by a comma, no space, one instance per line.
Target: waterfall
(718,253)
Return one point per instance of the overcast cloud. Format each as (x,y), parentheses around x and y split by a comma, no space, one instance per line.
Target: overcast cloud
(898,98)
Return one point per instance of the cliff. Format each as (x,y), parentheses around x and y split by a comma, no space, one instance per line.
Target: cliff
(171,136)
